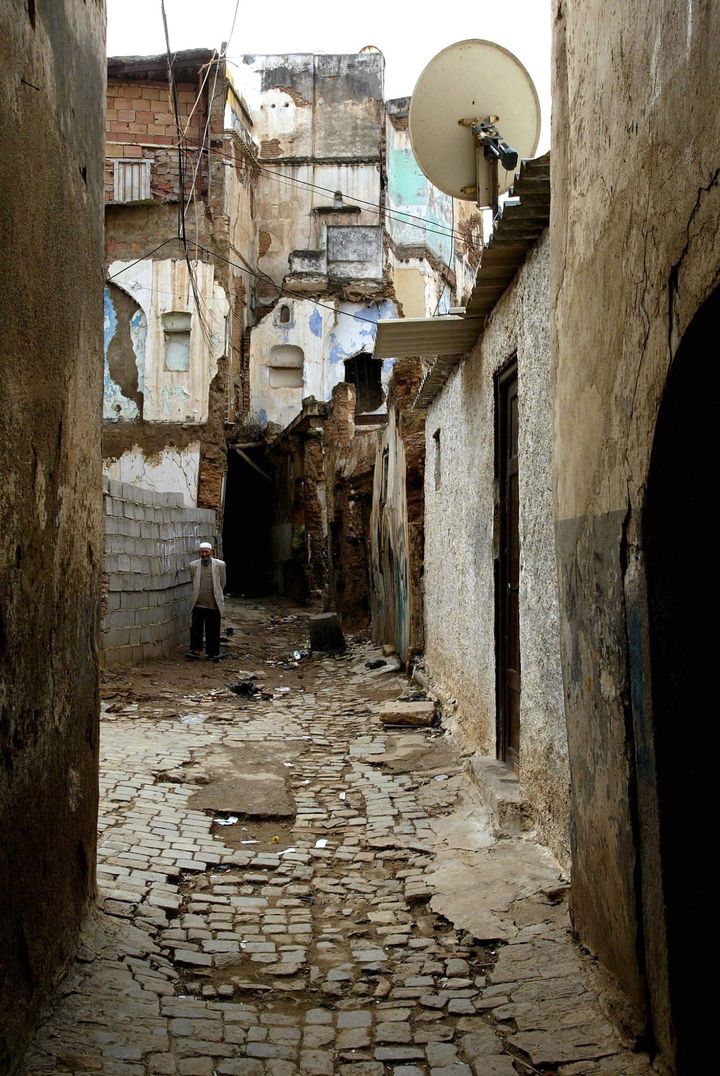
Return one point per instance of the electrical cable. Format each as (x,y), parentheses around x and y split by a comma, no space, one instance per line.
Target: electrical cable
(284,292)
(400,216)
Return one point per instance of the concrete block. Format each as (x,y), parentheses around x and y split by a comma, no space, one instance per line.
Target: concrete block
(407,713)
(326,633)
(105,483)
(115,489)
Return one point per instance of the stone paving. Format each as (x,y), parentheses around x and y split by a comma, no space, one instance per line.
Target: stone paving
(241,946)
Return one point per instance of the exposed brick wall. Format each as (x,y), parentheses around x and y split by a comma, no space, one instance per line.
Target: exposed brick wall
(140,118)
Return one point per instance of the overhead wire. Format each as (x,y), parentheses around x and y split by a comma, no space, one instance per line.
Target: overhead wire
(283,292)
(400,216)
(205,329)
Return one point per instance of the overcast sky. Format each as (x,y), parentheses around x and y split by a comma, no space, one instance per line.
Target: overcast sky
(407,34)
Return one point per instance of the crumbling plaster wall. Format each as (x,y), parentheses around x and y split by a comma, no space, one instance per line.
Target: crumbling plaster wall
(51,191)
(158,287)
(430,265)
(460,547)
(157,422)
(319,124)
(636,250)
(327,335)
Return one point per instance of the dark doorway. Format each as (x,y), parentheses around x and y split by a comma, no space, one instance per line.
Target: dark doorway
(246,524)
(678,538)
(364,372)
(507,568)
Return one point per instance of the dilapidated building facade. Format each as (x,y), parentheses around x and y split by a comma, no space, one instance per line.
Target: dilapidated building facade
(180,236)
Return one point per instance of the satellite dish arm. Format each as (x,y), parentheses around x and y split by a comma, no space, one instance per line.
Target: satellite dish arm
(495,148)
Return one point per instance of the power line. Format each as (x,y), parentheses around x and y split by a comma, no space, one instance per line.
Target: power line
(400,216)
(181,178)
(282,292)
(173,239)
(394,214)
(249,271)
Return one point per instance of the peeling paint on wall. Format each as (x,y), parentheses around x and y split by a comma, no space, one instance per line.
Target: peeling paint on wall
(172,470)
(145,387)
(327,338)
(125,330)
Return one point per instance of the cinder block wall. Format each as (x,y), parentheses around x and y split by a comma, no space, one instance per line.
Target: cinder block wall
(150,539)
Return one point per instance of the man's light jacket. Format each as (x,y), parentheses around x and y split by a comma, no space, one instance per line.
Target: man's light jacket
(218,578)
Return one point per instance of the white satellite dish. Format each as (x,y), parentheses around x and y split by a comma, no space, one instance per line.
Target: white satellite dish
(473,113)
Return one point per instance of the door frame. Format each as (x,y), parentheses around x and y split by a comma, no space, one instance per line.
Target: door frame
(505,380)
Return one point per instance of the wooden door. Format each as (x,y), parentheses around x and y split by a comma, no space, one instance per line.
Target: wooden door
(507,572)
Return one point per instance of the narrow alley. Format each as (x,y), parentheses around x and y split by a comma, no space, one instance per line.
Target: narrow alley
(284,886)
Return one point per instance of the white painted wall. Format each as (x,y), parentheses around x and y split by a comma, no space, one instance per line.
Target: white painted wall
(459,546)
(327,335)
(159,287)
(172,470)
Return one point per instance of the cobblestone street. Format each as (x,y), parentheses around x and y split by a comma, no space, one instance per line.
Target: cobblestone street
(272,889)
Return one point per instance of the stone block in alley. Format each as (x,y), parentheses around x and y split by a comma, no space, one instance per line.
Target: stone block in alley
(407,713)
(326,633)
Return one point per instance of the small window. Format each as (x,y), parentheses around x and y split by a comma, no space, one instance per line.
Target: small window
(131,180)
(286,366)
(438,461)
(284,315)
(176,325)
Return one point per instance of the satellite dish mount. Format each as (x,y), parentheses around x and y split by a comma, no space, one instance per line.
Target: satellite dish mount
(490,147)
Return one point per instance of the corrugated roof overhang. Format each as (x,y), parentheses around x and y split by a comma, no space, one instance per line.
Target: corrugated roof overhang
(401,338)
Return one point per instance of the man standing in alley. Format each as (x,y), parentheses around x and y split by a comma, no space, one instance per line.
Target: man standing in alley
(208,581)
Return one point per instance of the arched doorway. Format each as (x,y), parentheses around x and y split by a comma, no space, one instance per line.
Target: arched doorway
(678,540)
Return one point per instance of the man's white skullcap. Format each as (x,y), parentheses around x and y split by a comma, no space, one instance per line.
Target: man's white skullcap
(205,545)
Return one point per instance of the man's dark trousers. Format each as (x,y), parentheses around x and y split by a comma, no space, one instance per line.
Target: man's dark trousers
(209,620)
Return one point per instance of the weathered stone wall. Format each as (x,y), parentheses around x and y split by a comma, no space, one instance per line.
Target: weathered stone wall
(51,190)
(150,539)
(461,546)
(636,250)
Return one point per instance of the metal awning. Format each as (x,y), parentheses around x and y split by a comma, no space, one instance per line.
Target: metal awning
(448,334)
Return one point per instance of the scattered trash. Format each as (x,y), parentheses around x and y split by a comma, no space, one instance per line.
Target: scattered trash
(377,664)
(285,851)
(343,795)
(322,843)
(192,719)
(297,655)
(282,690)
(248,842)
(275,840)
(246,689)
(229,821)
(288,764)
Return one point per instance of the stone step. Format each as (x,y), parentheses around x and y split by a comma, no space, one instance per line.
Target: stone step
(498,789)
